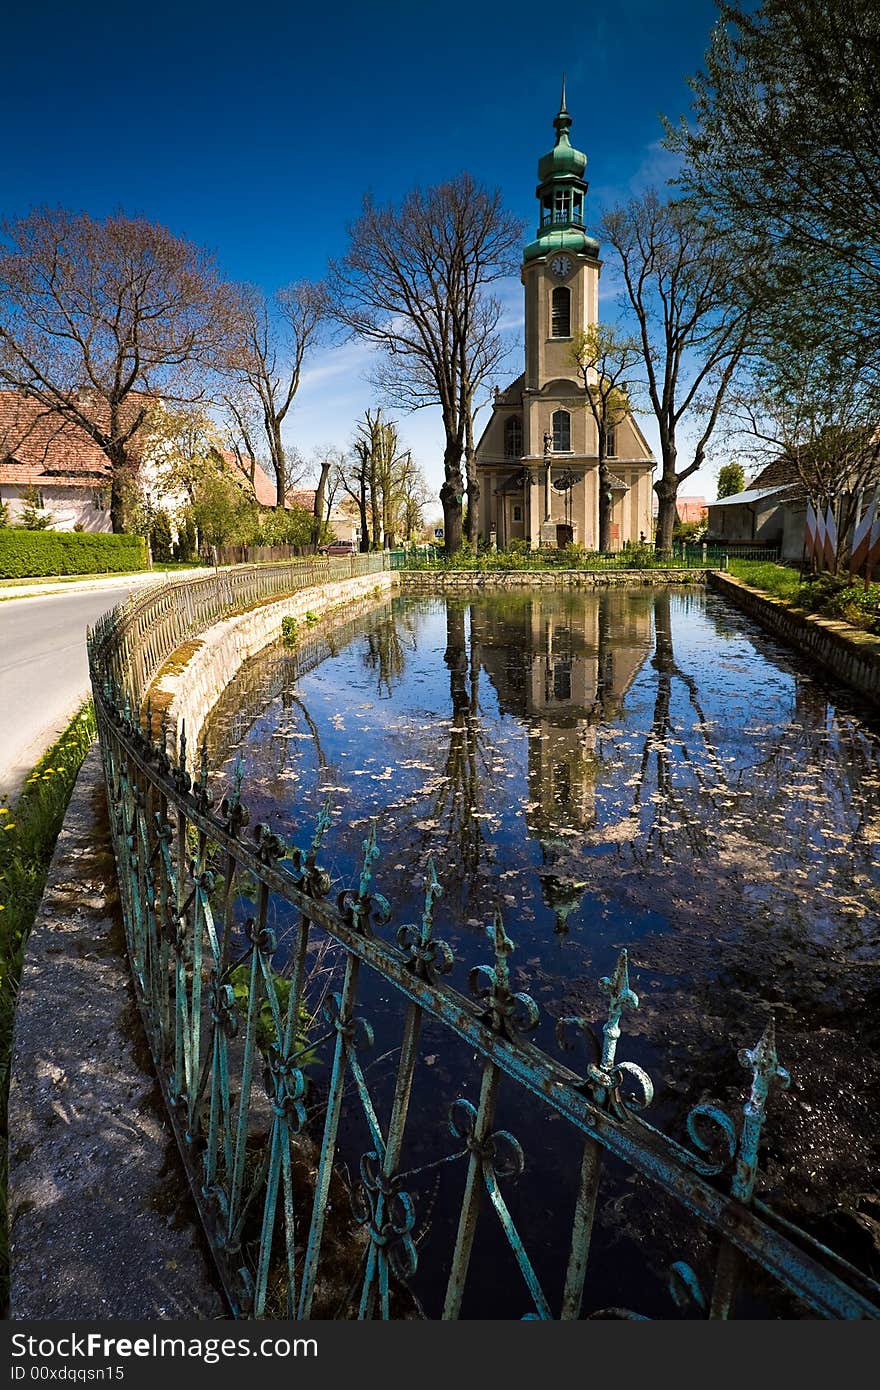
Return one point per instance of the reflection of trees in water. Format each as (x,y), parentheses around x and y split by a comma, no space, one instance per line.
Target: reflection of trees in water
(459,802)
(385,648)
(679,770)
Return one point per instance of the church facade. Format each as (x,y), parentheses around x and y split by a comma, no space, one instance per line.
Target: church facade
(537,458)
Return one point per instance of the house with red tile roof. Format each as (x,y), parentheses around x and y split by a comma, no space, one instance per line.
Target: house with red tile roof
(42,454)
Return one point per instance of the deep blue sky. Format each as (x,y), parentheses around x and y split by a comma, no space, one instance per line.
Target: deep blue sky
(256,129)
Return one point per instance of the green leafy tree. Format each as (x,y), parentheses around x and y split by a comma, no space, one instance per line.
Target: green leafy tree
(223,514)
(731,479)
(185,547)
(784,150)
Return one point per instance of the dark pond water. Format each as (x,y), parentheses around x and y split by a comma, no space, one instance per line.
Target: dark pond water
(643,769)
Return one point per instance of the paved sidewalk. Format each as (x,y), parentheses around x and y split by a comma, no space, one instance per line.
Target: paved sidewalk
(89,583)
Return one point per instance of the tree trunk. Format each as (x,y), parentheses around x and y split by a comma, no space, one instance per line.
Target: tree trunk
(362,508)
(605,504)
(666,489)
(473,487)
(280,462)
(118,472)
(451,494)
(320,493)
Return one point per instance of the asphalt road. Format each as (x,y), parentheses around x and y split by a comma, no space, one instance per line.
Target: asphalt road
(43,673)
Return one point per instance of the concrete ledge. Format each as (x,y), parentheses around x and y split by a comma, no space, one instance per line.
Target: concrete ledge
(457,581)
(101,1222)
(849,654)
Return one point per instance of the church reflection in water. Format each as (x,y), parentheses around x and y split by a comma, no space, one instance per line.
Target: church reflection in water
(560,665)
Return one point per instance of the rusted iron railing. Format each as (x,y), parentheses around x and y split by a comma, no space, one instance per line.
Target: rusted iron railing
(236,1031)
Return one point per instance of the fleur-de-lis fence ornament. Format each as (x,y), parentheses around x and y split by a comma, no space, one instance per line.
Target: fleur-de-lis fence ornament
(427,956)
(232,809)
(182,778)
(763,1062)
(505,1013)
(605,1078)
(204,795)
(313,880)
(379,1203)
(365,910)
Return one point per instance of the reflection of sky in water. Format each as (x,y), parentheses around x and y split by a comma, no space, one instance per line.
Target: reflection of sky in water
(613,769)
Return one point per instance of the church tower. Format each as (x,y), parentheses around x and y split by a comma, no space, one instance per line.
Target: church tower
(560,268)
(538,454)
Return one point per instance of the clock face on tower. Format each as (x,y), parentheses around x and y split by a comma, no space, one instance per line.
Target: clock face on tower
(561,265)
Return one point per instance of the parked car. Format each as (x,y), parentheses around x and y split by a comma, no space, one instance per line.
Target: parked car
(339,548)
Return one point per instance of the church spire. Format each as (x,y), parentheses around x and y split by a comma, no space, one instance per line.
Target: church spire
(561,192)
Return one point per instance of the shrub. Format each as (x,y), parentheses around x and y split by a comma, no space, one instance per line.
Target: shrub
(185,545)
(25,554)
(34,516)
(288,631)
(160,537)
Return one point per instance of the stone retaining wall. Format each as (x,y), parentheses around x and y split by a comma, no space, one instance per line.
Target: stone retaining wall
(458,581)
(849,654)
(192,685)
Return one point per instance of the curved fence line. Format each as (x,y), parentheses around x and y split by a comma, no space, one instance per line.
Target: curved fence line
(264,1059)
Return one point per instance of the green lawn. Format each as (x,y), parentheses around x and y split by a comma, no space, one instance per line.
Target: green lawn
(832,596)
(780,580)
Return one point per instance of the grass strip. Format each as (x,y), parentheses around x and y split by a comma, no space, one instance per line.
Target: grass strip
(831,596)
(28,832)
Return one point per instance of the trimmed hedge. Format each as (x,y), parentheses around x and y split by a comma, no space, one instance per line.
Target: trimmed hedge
(25,554)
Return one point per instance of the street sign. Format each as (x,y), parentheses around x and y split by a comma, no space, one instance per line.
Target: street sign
(438,533)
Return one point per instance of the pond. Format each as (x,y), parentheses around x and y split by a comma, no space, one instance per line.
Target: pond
(639,768)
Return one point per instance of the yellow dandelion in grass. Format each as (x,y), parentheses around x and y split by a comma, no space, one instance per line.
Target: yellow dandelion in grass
(4,810)
(10,825)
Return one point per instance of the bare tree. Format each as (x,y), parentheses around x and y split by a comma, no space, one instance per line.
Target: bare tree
(808,407)
(414,281)
(376,478)
(100,317)
(692,325)
(605,360)
(270,348)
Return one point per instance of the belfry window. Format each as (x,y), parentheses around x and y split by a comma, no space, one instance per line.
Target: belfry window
(513,437)
(561,432)
(577,207)
(560,315)
(562,205)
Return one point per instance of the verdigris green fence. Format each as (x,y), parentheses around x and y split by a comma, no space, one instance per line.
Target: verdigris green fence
(234,1028)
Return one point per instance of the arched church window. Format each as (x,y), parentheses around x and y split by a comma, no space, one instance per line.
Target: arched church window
(611,442)
(513,437)
(560,317)
(561,432)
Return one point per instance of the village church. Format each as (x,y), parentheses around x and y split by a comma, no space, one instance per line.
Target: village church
(538,455)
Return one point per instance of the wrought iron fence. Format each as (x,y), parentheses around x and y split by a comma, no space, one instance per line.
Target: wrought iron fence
(235,1029)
